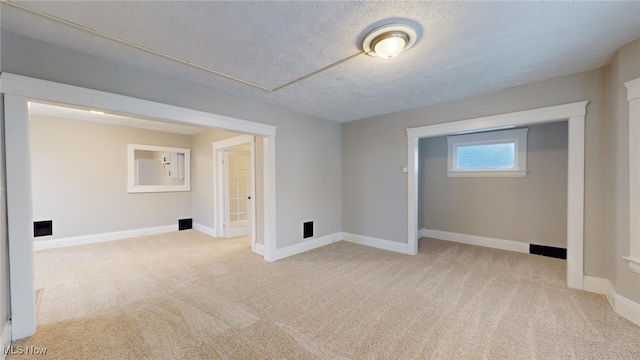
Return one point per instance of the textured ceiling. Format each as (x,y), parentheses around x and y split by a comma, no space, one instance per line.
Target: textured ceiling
(464,48)
(64,112)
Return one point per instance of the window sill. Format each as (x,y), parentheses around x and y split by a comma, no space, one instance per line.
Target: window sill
(634,263)
(157,188)
(509,173)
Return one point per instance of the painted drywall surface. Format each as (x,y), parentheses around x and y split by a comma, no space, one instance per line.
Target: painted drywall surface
(531,209)
(79,178)
(308,170)
(625,66)
(4,245)
(202,175)
(5,300)
(307,148)
(374,201)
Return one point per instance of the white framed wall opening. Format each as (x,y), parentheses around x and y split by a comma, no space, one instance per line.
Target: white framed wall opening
(573,113)
(18,92)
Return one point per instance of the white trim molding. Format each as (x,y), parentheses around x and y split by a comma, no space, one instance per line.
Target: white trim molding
(18,91)
(502,121)
(204,229)
(596,285)
(376,242)
(306,245)
(102,237)
(488,173)
(574,114)
(6,338)
(634,263)
(33,88)
(258,249)
(625,307)
(509,245)
(19,216)
(633,96)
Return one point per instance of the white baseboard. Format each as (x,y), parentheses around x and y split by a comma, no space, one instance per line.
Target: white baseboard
(6,338)
(258,249)
(422,233)
(596,285)
(575,279)
(625,307)
(306,246)
(96,238)
(204,229)
(376,242)
(476,240)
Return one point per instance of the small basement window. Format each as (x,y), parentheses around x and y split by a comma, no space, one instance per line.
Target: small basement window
(488,154)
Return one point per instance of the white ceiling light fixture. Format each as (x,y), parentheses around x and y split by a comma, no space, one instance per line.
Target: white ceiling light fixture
(389,40)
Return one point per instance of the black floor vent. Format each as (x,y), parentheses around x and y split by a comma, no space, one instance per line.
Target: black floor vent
(42,228)
(549,251)
(307,230)
(185,224)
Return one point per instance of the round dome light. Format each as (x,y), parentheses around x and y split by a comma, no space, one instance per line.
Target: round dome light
(389,40)
(389,44)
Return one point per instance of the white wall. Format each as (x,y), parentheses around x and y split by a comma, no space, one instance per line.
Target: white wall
(374,201)
(625,66)
(5,308)
(307,148)
(79,178)
(531,209)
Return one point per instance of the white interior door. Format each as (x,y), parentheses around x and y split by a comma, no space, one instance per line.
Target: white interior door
(237,194)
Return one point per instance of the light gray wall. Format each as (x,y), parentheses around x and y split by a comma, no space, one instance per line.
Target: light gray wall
(5,306)
(625,66)
(531,209)
(374,201)
(202,175)
(307,148)
(5,301)
(79,178)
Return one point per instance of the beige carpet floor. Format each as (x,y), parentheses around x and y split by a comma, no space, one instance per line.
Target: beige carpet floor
(185,295)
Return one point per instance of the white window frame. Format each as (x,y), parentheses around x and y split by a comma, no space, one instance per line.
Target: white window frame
(132,188)
(633,96)
(518,137)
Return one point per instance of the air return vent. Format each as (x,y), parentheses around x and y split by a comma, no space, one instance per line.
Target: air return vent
(307,230)
(43,228)
(185,224)
(549,251)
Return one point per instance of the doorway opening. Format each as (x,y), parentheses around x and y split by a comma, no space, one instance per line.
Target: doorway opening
(237,175)
(237,194)
(573,113)
(18,92)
